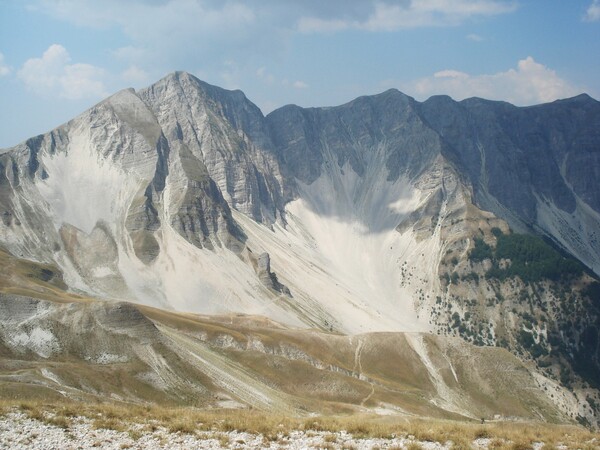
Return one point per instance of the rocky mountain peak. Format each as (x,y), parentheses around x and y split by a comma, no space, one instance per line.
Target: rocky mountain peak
(581,99)
(183,87)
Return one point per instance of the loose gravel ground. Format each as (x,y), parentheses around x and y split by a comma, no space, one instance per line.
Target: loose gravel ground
(18,431)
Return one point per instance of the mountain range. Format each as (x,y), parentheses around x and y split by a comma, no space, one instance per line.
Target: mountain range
(178,220)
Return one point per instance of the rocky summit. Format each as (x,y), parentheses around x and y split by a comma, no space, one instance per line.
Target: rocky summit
(454,227)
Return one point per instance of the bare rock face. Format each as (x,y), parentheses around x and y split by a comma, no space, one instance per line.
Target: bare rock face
(268,278)
(263,263)
(223,134)
(532,166)
(384,131)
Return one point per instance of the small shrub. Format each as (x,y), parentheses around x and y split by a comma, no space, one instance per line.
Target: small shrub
(224,440)
(520,446)
(109,424)
(58,421)
(483,433)
(330,438)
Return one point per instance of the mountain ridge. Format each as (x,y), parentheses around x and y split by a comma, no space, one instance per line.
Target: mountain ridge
(358,218)
(376,131)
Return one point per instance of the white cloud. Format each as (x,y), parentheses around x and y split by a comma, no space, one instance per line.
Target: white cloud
(474,37)
(530,83)
(4,69)
(82,81)
(387,16)
(131,53)
(177,16)
(300,85)
(264,75)
(164,30)
(593,12)
(448,73)
(186,33)
(202,35)
(53,74)
(318,25)
(133,74)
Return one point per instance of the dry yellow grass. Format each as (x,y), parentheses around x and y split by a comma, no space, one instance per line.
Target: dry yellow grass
(414,446)
(331,438)
(504,435)
(29,278)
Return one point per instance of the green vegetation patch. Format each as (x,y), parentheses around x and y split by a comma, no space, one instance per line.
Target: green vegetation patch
(531,258)
(481,251)
(592,291)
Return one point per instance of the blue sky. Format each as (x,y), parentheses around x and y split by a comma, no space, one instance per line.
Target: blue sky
(59,57)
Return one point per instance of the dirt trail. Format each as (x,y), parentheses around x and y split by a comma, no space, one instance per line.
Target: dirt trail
(358,367)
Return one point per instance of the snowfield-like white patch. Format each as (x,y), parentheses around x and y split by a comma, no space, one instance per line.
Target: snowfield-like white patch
(187,278)
(341,255)
(83,187)
(110,358)
(38,340)
(101,272)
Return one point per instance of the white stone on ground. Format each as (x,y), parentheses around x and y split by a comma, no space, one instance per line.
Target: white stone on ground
(18,431)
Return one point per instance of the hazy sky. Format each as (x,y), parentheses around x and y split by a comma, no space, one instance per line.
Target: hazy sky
(59,57)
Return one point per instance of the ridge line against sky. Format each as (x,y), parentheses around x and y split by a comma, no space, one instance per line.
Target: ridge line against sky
(59,57)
